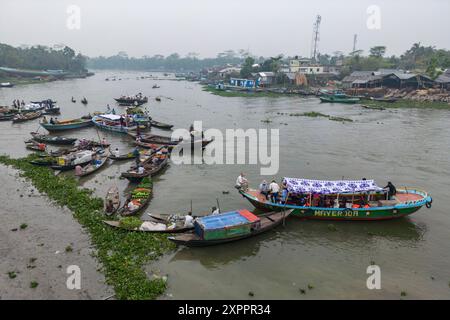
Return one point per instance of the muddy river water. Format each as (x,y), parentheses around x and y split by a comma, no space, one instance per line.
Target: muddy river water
(406,146)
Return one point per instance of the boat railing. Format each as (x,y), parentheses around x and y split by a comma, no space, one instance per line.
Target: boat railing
(414,190)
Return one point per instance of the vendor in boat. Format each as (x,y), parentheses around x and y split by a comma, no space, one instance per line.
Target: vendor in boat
(140,169)
(52,121)
(241,182)
(116,153)
(214,211)
(392,190)
(264,189)
(189,220)
(109,206)
(44,120)
(78,170)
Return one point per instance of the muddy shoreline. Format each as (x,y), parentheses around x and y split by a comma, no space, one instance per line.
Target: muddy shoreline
(49,241)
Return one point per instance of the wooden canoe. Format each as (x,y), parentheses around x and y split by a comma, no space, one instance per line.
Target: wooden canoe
(161,125)
(91,168)
(149,170)
(268,222)
(52,139)
(147,227)
(26,116)
(112,195)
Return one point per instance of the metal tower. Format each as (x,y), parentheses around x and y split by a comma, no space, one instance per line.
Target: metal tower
(315,38)
(355,39)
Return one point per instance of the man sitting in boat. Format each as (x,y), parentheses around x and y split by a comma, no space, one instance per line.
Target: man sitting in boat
(44,120)
(188,220)
(241,182)
(52,121)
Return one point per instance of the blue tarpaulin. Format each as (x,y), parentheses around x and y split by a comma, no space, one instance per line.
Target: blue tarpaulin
(222,220)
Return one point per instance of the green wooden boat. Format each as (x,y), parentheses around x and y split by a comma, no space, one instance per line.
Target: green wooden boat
(407,201)
(339,98)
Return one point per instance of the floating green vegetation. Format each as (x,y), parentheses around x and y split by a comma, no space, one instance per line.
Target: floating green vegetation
(123,254)
(256,94)
(12,274)
(314,114)
(407,104)
(23,226)
(130,223)
(33,284)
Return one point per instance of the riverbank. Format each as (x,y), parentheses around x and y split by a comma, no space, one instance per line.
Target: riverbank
(123,254)
(38,243)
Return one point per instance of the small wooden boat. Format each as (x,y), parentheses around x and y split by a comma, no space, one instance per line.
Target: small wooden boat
(84,101)
(155,86)
(67,124)
(73,100)
(52,110)
(6,85)
(111,122)
(158,99)
(7,117)
(52,139)
(139,197)
(126,156)
(70,161)
(35,146)
(338,98)
(373,107)
(22,117)
(150,226)
(113,196)
(45,161)
(367,200)
(150,169)
(132,101)
(161,125)
(228,227)
(91,168)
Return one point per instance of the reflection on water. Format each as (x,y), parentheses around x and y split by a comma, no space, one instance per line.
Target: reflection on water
(408,147)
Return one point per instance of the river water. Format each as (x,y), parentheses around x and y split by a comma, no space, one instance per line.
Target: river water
(406,146)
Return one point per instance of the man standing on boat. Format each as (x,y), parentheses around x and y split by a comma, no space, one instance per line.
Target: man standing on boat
(274,190)
(392,190)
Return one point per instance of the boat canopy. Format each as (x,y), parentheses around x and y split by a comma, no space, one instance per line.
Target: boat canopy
(112,117)
(295,185)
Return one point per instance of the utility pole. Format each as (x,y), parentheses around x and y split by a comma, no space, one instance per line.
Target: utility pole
(355,39)
(315,38)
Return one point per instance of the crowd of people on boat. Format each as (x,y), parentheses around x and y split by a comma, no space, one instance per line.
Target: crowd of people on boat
(279,194)
(17,104)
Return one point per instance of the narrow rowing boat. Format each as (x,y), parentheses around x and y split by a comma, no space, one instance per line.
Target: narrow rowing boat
(149,226)
(161,125)
(67,125)
(22,117)
(138,199)
(52,139)
(93,167)
(112,201)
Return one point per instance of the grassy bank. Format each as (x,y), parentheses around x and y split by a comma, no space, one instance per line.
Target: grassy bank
(224,93)
(408,104)
(123,254)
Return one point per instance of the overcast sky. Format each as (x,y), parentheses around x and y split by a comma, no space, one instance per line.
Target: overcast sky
(265,27)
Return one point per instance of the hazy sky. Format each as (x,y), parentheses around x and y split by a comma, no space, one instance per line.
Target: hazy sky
(148,27)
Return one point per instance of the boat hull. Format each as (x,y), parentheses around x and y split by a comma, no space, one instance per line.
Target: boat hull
(343,214)
(63,127)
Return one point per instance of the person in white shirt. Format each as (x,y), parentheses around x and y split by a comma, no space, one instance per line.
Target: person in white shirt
(116,152)
(189,220)
(241,182)
(214,211)
(274,190)
(140,169)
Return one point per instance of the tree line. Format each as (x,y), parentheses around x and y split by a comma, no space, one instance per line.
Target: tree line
(42,58)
